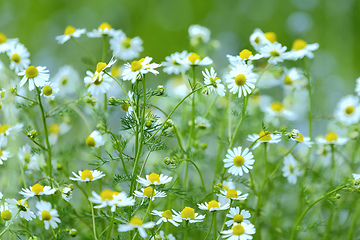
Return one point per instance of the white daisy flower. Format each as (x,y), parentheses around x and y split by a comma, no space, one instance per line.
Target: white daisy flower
(49,90)
(136,223)
(87,175)
(263,137)
(332,138)
(356,180)
(275,111)
(211,78)
(66,194)
(173,63)
(188,214)
(107,198)
(136,69)
(56,129)
(19,57)
(241,231)
(194,59)
(237,216)
(101,66)
(275,53)
(30,161)
(7,130)
(126,48)
(239,161)
(199,34)
(4,155)
(47,214)
(5,43)
(213,206)
(245,56)
(154,179)
(149,192)
(259,39)
(21,205)
(6,214)
(165,216)
(103,29)
(232,194)
(294,78)
(67,80)
(202,123)
(242,80)
(291,169)
(37,190)
(300,49)
(301,139)
(161,236)
(95,140)
(100,85)
(37,76)
(348,110)
(70,32)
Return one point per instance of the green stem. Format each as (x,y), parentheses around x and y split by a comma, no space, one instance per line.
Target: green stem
(30,100)
(58,107)
(211,225)
(150,201)
(353,223)
(245,101)
(120,152)
(215,226)
(280,162)
(223,226)
(333,164)
(111,226)
(92,212)
(186,229)
(8,226)
(198,170)
(210,107)
(185,180)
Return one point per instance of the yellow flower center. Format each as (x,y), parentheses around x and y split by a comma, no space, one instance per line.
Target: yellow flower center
(274,53)
(98,80)
(54,128)
(238,218)
(115,71)
(15,58)
(239,161)
(1,153)
(240,80)
(45,215)
(3,38)
(90,141)
(331,137)
(69,30)
(167,214)
(245,54)
(31,72)
(264,136)
(257,40)
(277,107)
(193,57)
(126,43)
(37,188)
(135,66)
(6,215)
(148,192)
(3,128)
(188,212)
(300,137)
(231,193)
(100,66)
(104,26)
(213,204)
(106,195)
(23,207)
(271,36)
(136,221)
(238,230)
(47,90)
(288,80)
(125,107)
(154,177)
(350,109)
(86,174)
(299,44)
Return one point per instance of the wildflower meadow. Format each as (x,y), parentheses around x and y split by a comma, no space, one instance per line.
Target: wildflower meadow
(136,147)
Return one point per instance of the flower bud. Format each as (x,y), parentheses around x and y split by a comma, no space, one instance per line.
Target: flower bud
(71,186)
(59,167)
(73,232)
(160,89)
(32,134)
(167,161)
(112,100)
(101,127)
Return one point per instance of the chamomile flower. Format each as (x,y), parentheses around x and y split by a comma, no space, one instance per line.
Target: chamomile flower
(6,43)
(37,76)
(103,29)
(101,66)
(241,231)
(356,180)
(99,85)
(47,214)
(188,214)
(21,205)
(263,137)
(70,32)
(67,80)
(95,140)
(161,236)
(6,214)
(332,138)
(66,193)
(194,59)
(291,169)
(154,179)
(211,78)
(237,216)
(275,111)
(241,80)
(149,192)
(199,34)
(348,110)
(56,129)
(245,56)
(126,48)
(37,190)
(173,65)
(7,130)
(19,57)
(294,78)
(232,194)
(275,53)
(136,223)
(30,161)
(300,49)
(87,175)
(301,139)
(239,161)
(259,39)
(213,205)
(137,69)
(202,123)
(107,198)
(4,155)
(165,216)
(49,90)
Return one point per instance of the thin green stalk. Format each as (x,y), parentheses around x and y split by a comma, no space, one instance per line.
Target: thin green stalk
(8,226)
(58,107)
(150,201)
(333,170)
(53,232)
(353,223)
(92,212)
(110,226)
(211,225)
(223,226)
(157,230)
(215,226)
(185,180)
(186,229)
(198,170)
(120,153)
(245,101)
(310,99)
(30,100)
(211,106)
(192,126)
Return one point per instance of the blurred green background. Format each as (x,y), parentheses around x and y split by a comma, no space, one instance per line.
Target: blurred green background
(163,25)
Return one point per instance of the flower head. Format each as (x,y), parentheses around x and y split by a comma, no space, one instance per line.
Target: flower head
(165,216)
(49,90)
(332,138)
(241,80)
(126,48)
(95,140)
(232,194)
(137,69)
(239,161)
(300,49)
(262,137)
(66,194)
(7,130)
(213,205)
(154,179)
(87,175)
(37,190)
(173,63)
(70,32)
(348,110)
(112,199)
(47,214)
(149,192)
(211,78)
(19,57)
(37,76)
(194,59)
(291,169)
(4,155)
(22,206)
(6,43)
(104,29)
(275,53)
(199,34)
(241,231)
(237,216)
(136,223)
(188,214)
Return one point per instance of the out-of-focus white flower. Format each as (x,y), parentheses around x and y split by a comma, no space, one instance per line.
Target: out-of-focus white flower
(291,169)
(95,140)
(19,57)
(348,110)
(199,34)
(300,49)
(126,48)
(70,32)
(173,65)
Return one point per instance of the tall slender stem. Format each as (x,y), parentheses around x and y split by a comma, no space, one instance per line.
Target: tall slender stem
(92,212)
